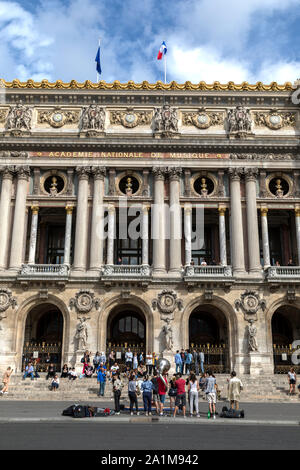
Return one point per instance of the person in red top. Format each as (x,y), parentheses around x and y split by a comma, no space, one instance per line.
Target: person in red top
(162,390)
(180,397)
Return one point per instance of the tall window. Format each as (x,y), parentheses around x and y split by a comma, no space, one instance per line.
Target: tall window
(55,244)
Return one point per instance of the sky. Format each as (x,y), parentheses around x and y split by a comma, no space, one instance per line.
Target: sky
(210,40)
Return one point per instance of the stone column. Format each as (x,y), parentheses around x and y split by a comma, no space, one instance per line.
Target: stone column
(5,202)
(18,231)
(222,236)
(236,222)
(188,234)
(33,234)
(97,230)
(265,236)
(111,234)
(159,222)
(297,215)
(252,221)
(81,232)
(175,221)
(68,235)
(145,235)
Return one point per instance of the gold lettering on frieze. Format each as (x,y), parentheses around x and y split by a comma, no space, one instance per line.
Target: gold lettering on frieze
(129,155)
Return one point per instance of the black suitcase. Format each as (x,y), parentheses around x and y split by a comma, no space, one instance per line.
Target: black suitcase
(226,413)
(80,411)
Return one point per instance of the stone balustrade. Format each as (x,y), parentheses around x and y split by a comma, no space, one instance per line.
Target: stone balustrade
(44,271)
(124,271)
(208,272)
(283,273)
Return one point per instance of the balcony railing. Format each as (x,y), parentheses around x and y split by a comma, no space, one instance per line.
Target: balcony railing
(44,271)
(282,273)
(205,272)
(126,271)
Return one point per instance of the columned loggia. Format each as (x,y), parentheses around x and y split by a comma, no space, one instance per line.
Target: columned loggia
(18,230)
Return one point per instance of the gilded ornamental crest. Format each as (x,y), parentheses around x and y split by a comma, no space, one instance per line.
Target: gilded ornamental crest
(130,118)
(166,303)
(58,117)
(203,119)
(84,301)
(275,120)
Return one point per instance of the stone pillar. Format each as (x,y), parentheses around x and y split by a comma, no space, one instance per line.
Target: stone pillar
(265,236)
(236,221)
(97,230)
(159,222)
(297,215)
(33,234)
(81,232)
(175,221)
(18,231)
(68,235)
(188,234)
(145,236)
(222,236)
(252,221)
(5,202)
(111,234)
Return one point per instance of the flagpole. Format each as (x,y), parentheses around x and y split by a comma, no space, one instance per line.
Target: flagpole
(165,58)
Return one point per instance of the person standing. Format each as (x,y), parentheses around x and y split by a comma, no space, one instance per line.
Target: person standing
(96,361)
(172,393)
(211,394)
(188,362)
(292,379)
(178,362)
(201,360)
(128,358)
(117,389)
(6,380)
(181,396)
(147,388)
(149,363)
(234,389)
(193,388)
(196,361)
(101,379)
(111,358)
(182,354)
(135,361)
(162,391)
(154,381)
(132,389)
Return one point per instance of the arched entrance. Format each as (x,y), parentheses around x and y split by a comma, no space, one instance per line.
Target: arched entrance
(43,337)
(208,332)
(126,328)
(285,330)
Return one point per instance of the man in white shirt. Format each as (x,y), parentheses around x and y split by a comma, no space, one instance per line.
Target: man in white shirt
(234,388)
(149,362)
(128,358)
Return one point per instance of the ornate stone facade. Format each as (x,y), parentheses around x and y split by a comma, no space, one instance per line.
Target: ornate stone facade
(71,262)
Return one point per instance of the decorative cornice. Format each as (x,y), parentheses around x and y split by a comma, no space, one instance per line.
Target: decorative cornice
(172,86)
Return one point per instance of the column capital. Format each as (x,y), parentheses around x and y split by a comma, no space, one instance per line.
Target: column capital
(187,209)
(23,172)
(69,209)
(297,212)
(159,172)
(174,173)
(35,209)
(251,174)
(83,172)
(111,209)
(264,211)
(98,172)
(7,172)
(146,209)
(222,210)
(235,173)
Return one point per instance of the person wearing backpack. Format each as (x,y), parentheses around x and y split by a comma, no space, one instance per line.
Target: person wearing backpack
(155,391)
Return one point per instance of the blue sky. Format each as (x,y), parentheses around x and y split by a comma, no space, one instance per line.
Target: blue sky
(207,39)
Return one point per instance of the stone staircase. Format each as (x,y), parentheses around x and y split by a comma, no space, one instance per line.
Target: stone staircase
(273,388)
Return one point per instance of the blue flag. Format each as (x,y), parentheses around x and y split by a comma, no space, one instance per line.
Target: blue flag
(98,67)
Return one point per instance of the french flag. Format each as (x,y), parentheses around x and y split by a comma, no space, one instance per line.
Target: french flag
(162,51)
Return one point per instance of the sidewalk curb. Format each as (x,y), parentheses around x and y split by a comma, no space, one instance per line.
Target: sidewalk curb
(144,420)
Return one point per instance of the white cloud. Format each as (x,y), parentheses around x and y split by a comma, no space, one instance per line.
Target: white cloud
(207,40)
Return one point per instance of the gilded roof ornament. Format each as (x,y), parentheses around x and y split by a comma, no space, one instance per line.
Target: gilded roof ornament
(145,85)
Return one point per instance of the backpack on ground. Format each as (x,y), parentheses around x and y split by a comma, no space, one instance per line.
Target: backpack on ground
(230,413)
